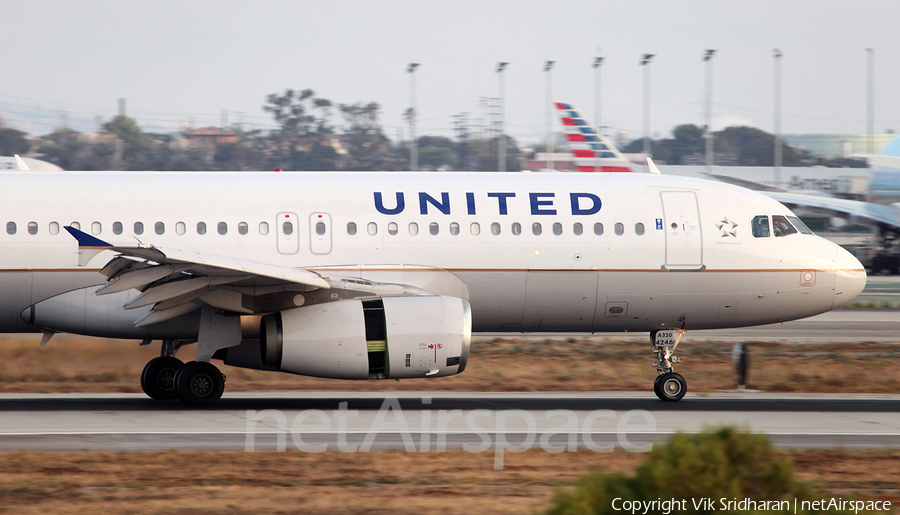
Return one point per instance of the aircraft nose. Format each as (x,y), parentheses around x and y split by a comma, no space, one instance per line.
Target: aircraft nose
(849,278)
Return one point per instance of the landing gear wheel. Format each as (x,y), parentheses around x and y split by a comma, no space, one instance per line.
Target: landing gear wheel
(199,383)
(158,378)
(670,386)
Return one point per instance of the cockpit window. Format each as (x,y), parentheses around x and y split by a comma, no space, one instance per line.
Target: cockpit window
(798,223)
(760,226)
(781,226)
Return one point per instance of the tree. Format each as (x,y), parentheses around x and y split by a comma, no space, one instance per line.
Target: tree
(135,144)
(13,141)
(365,145)
(304,125)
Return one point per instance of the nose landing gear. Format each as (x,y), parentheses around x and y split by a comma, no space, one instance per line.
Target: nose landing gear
(668,386)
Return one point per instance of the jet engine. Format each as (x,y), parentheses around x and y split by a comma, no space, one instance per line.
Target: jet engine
(384,338)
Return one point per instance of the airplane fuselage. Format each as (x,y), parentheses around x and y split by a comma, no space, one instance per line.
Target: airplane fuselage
(529,251)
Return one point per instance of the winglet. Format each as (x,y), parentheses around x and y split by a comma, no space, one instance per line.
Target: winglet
(653,168)
(88,246)
(21,164)
(85,240)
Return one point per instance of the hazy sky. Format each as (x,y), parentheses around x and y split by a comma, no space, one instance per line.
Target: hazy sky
(191,59)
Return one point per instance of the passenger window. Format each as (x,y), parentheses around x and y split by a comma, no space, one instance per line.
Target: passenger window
(32,228)
(495,228)
(351,228)
(620,228)
(10,227)
(372,228)
(475,229)
(454,228)
(577,229)
(243,228)
(781,226)
(222,227)
(798,223)
(639,229)
(598,229)
(433,228)
(96,228)
(320,228)
(160,228)
(516,228)
(180,228)
(759,226)
(76,225)
(413,228)
(264,228)
(557,228)
(201,227)
(536,229)
(287,228)
(54,227)
(392,228)
(138,227)
(117,227)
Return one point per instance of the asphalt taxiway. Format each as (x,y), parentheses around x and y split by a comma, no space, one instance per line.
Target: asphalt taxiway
(352,421)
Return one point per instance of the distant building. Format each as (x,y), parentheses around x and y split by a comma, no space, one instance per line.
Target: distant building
(832,146)
(209,137)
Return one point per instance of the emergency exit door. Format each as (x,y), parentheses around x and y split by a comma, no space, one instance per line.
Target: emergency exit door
(288,233)
(320,233)
(684,239)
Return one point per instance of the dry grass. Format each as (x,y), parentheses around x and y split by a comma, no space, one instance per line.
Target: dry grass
(393,482)
(77,364)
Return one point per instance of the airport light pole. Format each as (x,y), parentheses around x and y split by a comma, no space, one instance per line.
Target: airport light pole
(707,58)
(413,144)
(645,61)
(501,141)
(597,62)
(870,99)
(777,176)
(548,67)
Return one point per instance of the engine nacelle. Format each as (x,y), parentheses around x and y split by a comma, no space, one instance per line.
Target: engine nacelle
(386,338)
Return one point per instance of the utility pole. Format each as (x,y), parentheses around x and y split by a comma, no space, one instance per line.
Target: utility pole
(777,177)
(597,62)
(709,135)
(548,67)
(501,141)
(645,61)
(413,144)
(870,99)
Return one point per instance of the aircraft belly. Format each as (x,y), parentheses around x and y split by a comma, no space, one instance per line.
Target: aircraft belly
(15,295)
(559,300)
(497,299)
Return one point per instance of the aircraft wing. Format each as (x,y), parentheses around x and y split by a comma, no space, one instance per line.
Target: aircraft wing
(888,215)
(176,282)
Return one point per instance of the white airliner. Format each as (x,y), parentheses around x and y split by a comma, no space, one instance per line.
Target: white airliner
(375,275)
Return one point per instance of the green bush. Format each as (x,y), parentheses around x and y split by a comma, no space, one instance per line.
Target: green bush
(721,464)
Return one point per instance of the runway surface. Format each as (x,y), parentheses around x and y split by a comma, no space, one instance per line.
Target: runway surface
(318,420)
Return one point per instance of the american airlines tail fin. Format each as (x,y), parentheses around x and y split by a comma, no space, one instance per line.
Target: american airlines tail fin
(592,151)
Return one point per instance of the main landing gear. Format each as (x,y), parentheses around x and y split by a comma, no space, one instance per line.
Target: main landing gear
(668,385)
(197,383)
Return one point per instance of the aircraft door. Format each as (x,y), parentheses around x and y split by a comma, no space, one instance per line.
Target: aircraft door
(320,233)
(288,233)
(684,241)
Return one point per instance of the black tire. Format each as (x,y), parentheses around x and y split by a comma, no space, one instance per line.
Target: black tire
(199,384)
(670,387)
(158,378)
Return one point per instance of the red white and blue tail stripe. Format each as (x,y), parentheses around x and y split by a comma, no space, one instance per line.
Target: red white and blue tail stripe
(592,151)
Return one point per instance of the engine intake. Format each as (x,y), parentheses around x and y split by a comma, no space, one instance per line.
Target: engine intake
(387,338)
